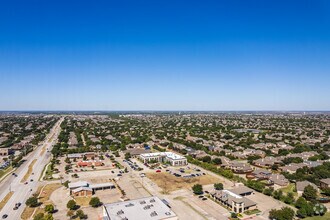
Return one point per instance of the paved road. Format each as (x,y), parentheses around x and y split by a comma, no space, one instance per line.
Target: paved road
(23,191)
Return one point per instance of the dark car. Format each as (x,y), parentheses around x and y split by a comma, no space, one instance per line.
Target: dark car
(204,199)
(4,216)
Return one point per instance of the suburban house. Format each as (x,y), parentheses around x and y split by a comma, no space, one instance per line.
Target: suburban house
(267,161)
(325,183)
(163,157)
(235,199)
(300,186)
(149,208)
(235,166)
(276,179)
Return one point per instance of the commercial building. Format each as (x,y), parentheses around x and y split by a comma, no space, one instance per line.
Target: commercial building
(83,188)
(149,208)
(235,199)
(164,157)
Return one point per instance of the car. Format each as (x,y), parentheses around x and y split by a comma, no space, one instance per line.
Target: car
(13,174)
(158,171)
(119,174)
(31,180)
(26,183)
(204,199)
(112,171)
(4,216)
(207,192)
(200,197)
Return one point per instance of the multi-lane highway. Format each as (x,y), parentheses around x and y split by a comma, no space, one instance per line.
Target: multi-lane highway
(22,191)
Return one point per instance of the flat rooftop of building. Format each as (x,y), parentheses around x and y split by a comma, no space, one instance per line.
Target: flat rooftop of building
(170,155)
(145,208)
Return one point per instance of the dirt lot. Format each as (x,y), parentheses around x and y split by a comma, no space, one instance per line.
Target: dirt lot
(170,183)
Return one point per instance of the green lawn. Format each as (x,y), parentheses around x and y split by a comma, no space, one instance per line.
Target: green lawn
(325,217)
(290,188)
(4,172)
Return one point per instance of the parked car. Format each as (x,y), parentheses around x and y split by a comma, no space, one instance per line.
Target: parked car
(4,216)
(158,171)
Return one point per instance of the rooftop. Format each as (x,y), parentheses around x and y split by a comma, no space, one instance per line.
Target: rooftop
(144,208)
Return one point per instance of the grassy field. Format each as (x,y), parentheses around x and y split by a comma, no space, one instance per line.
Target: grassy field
(28,173)
(325,217)
(170,183)
(83,201)
(47,191)
(44,195)
(43,150)
(5,200)
(27,213)
(290,188)
(4,172)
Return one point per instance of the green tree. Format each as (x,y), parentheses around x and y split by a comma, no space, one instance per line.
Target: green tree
(218,186)
(80,214)
(70,214)
(49,208)
(95,202)
(39,216)
(127,156)
(32,202)
(217,161)
(197,189)
(302,213)
(268,191)
(285,213)
(289,198)
(206,159)
(71,204)
(309,193)
(301,202)
(48,217)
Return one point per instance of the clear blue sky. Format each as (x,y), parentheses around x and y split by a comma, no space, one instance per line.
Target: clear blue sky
(164,55)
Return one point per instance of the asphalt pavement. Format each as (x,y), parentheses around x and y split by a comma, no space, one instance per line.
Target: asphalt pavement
(23,191)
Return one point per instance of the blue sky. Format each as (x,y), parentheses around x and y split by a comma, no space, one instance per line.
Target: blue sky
(164,55)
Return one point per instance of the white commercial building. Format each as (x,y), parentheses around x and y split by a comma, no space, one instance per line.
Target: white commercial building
(163,157)
(150,208)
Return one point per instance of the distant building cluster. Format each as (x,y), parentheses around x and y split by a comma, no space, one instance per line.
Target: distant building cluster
(164,157)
